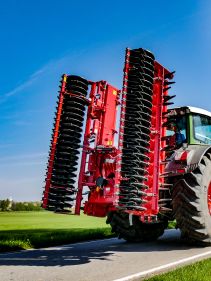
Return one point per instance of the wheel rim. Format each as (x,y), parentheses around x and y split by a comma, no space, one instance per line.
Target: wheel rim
(209,198)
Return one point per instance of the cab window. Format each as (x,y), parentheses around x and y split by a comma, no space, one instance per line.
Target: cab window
(202,128)
(177,131)
(178,125)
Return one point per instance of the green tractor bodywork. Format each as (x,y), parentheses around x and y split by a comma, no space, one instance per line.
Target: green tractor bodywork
(189,172)
(194,123)
(193,129)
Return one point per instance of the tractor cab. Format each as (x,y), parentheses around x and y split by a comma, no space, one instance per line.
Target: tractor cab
(189,125)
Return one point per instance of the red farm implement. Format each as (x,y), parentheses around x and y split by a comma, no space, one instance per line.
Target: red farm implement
(119,147)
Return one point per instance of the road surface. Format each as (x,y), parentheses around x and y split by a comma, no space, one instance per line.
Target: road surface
(102,260)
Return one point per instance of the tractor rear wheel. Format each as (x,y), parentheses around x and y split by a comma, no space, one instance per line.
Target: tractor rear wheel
(191,200)
(134,230)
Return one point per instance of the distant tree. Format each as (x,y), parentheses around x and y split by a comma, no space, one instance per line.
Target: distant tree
(26,206)
(13,206)
(18,206)
(4,205)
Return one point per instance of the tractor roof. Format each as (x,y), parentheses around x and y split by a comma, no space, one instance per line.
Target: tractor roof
(196,110)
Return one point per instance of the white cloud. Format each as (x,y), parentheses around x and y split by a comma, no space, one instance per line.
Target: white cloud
(24,189)
(32,78)
(22,176)
(24,157)
(20,88)
(22,163)
(27,83)
(33,159)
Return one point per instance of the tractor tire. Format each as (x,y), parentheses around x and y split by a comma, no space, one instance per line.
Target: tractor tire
(138,231)
(191,204)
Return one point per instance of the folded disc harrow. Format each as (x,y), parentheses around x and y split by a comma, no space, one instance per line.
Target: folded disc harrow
(61,175)
(137,123)
(128,177)
(142,157)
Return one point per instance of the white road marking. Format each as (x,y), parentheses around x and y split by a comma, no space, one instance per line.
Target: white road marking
(162,267)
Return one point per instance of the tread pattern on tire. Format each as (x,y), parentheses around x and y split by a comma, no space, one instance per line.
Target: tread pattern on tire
(189,200)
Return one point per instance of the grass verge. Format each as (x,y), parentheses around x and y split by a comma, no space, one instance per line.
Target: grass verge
(25,230)
(199,271)
(26,239)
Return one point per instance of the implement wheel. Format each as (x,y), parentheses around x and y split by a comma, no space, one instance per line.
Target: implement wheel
(192,203)
(138,231)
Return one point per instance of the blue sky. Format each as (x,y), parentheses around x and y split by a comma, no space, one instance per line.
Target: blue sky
(41,40)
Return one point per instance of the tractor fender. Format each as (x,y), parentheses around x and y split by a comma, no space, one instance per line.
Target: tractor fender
(186,159)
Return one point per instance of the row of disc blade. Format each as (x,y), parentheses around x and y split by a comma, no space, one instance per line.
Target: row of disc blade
(137,125)
(63,177)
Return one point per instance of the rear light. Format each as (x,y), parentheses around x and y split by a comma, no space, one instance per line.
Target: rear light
(184,156)
(181,156)
(181,171)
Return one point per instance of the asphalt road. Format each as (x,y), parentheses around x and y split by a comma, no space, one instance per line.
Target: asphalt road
(102,260)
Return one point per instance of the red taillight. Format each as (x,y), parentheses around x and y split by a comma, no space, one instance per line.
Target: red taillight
(181,156)
(181,171)
(184,156)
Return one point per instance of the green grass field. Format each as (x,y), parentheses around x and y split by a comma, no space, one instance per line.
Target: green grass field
(24,230)
(199,271)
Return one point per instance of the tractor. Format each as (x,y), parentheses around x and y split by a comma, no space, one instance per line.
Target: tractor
(135,161)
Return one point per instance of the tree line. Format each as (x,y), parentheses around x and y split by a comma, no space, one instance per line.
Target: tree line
(8,205)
